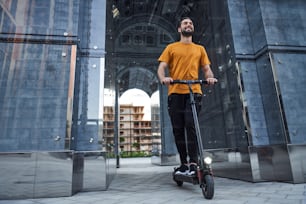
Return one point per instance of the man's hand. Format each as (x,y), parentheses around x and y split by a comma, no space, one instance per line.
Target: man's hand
(211,81)
(166,80)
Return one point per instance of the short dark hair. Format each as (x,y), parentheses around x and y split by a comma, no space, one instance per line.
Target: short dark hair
(181,19)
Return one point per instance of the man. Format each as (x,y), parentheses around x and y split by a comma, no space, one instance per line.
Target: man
(184,59)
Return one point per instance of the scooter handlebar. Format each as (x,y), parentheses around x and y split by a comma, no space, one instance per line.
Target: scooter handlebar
(177,81)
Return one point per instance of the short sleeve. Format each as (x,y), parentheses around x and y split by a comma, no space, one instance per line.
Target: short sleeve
(204,58)
(165,56)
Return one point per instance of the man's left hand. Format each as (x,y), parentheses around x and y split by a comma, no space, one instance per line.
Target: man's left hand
(211,80)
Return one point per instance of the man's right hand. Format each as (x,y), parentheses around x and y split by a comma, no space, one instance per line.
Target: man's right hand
(166,80)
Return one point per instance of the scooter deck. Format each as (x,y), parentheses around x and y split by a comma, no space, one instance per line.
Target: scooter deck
(186,178)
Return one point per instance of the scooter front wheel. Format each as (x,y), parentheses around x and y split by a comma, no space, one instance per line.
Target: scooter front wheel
(179,183)
(207,186)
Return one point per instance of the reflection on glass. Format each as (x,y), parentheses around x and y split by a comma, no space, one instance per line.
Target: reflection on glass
(37,70)
(34,96)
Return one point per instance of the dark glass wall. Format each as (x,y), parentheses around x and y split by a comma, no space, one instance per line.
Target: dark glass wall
(269,45)
(34,96)
(284,26)
(290,77)
(47,48)
(52,75)
(221,120)
(37,46)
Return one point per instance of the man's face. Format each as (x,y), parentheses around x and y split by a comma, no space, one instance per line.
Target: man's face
(186,28)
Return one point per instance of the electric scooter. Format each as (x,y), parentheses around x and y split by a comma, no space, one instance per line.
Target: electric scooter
(204,175)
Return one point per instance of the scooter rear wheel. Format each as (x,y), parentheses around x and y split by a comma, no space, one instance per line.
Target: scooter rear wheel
(208,187)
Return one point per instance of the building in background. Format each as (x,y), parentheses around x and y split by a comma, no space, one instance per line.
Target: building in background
(156,132)
(136,137)
(135,133)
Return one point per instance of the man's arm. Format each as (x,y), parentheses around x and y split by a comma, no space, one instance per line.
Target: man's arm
(208,74)
(161,73)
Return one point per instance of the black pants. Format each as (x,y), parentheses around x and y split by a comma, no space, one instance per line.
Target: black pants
(180,113)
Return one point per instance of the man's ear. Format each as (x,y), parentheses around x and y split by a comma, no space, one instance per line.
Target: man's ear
(179,30)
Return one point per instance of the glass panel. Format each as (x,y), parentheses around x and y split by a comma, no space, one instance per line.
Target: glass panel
(33,97)
(270,100)
(37,73)
(88,118)
(37,17)
(93,80)
(221,118)
(291,92)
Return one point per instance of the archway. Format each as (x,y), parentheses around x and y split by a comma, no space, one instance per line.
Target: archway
(137,32)
(133,47)
(137,77)
(127,79)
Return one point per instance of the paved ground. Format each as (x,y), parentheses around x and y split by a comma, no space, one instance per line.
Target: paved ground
(139,182)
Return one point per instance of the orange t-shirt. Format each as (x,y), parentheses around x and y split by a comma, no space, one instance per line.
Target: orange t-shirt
(184,62)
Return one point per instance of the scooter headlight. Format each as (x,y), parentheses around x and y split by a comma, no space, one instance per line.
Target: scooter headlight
(208,160)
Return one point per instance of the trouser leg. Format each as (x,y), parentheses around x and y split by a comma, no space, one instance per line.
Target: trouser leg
(176,110)
(180,112)
(190,128)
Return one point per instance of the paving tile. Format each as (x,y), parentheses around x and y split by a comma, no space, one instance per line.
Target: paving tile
(139,182)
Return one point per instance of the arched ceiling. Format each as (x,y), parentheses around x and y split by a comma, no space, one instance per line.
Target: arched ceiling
(138,31)
(138,77)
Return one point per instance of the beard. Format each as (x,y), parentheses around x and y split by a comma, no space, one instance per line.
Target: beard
(187,33)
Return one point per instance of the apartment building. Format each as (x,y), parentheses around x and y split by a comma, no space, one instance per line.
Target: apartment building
(135,133)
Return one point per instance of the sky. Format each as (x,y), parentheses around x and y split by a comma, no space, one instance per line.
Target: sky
(138,97)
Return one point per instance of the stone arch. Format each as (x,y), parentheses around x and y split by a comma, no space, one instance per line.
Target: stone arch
(137,77)
(138,41)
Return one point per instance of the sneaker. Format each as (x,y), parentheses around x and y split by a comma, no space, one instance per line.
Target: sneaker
(182,170)
(192,169)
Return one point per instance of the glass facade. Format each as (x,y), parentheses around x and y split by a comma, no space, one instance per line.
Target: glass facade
(38,54)
(52,57)
(34,96)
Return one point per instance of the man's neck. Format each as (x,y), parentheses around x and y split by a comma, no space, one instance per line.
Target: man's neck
(186,40)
